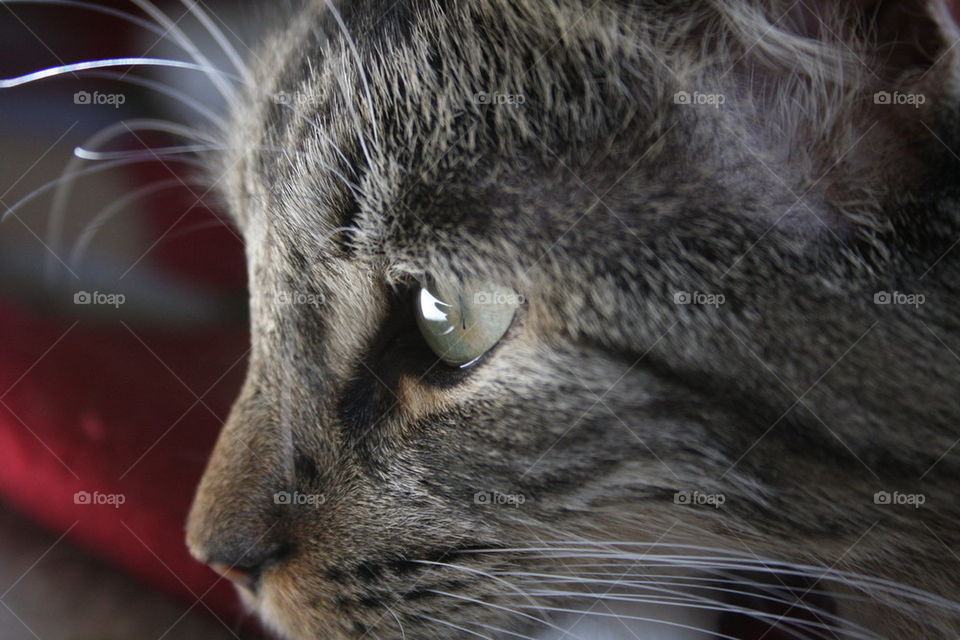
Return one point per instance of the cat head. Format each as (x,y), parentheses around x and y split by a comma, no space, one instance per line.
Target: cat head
(709,250)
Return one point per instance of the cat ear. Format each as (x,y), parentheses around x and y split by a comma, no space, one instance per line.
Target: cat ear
(868,92)
(908,46)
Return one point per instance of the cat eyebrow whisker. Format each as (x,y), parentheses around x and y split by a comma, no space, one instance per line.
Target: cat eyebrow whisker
(228,91)
(62,69)
(113,208)
(98,156)
(89,6)
(58,207)
(165,89)
(217,34)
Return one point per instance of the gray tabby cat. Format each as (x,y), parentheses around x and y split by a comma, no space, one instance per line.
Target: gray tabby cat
(565,310)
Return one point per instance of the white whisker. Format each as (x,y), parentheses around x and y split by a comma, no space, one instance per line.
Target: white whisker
(88,154)
(226,90)
(166,90)
(59,70)
(454,626)
(108,212)
(204,19)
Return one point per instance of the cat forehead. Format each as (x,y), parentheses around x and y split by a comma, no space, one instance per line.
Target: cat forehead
(407,114)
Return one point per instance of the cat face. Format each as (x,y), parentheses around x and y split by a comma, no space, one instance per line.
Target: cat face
(726,378)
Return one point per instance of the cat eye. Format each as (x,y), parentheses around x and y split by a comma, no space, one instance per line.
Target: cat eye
(462,323)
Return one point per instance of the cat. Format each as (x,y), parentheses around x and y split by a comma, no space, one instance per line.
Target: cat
(569,317)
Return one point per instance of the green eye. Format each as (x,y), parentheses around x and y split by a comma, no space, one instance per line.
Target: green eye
(462,324)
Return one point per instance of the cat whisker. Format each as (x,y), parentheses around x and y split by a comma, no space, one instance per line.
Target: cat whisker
(63,69)
(89,6)
(533,618)
(403,633)
(678,598)
(485,574)
(71,171)
(166,90)
(104,215)
(228,91)
(491,627)
(217,34)
(668,623)
(895,595)
(160,152)
(452,625)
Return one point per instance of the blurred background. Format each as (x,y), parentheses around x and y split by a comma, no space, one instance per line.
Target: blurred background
(122,329)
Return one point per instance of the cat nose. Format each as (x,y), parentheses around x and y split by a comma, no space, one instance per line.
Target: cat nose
(244,568)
